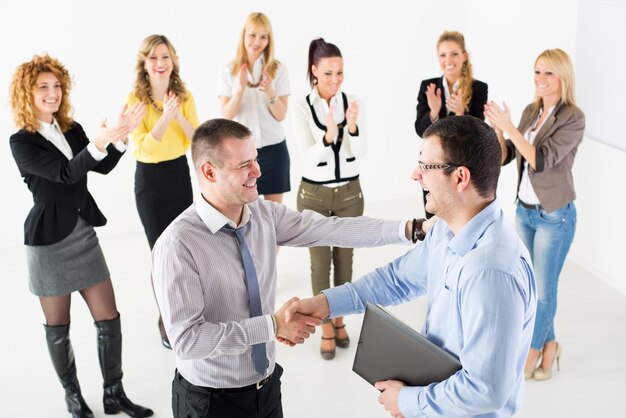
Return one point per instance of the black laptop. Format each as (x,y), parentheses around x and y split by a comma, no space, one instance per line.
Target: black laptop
(389,349)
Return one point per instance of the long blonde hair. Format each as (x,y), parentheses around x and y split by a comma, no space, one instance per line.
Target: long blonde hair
(560,64)
(142,80)
(467,74)
(256,20)
(21,92)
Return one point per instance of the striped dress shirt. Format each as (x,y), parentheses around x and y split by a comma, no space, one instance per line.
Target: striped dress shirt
(200,287)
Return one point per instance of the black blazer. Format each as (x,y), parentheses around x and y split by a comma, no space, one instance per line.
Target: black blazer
(58,185)
(476,108)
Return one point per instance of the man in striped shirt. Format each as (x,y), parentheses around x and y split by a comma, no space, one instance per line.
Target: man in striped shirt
(200,278)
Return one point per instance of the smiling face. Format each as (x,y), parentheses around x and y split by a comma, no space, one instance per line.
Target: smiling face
(47,95)
(451,59)
(255,39)
(439,196)
(547,83)
(159,63)
(329,74)
(235,178)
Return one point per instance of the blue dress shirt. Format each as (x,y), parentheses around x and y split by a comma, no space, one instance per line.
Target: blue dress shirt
(481,307)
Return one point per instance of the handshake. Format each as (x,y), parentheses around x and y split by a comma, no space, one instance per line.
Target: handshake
(296,319)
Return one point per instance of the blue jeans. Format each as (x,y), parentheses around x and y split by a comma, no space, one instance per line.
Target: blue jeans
(548,237)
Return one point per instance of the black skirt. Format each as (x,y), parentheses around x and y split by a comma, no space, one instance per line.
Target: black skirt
(274,162)
(162,192)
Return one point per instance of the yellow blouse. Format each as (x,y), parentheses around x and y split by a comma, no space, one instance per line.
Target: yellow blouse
(174,142)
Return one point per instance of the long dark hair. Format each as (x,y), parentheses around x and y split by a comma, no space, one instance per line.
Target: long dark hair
(319,49)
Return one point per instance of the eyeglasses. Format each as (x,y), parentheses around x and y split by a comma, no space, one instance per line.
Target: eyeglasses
(438,166)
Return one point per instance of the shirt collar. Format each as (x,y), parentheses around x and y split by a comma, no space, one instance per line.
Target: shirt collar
(455,86)
(45,128)
(468,236)
(214,219)
(315,96)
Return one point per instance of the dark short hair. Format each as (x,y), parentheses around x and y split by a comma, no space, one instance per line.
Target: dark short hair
(470,142)
(208,137)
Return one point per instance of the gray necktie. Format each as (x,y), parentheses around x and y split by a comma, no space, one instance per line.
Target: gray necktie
(259,356)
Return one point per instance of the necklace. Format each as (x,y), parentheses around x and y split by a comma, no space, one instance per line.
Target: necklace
(153,103)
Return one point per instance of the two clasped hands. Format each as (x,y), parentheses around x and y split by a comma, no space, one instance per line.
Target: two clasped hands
(296,321)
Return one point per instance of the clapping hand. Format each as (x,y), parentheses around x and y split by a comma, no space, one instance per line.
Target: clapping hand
(454,103)
(498,117)
(171,105)
(266,85)
(433,96)
(108,135)
(331,125)
(242,79)
(130,117)
(352,114)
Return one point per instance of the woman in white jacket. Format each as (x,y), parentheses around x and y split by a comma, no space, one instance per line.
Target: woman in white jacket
(333,142)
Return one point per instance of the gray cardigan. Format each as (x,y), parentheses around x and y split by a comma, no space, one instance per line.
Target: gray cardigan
(556,144)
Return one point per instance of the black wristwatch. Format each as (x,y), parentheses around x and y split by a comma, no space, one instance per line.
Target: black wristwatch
(418,232)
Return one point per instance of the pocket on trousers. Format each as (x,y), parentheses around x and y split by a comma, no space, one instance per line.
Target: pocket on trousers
(309,196)
(358,195)
(189,402)
(555,218)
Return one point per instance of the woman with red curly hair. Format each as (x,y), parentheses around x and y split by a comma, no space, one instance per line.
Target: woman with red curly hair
(54,156)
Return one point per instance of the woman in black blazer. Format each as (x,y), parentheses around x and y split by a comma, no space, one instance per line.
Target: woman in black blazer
(455,93)
(54,156)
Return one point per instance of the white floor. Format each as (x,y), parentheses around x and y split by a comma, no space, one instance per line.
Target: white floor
(590,327)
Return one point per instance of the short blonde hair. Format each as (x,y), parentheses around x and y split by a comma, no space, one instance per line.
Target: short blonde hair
(21,92)
(142,81)
(256,20)
(560,64)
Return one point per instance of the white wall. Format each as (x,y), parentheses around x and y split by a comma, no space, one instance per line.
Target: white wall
(388,49)
(384,49)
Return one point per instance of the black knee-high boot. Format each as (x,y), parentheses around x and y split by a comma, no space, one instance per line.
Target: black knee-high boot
(62,357)
(110,355)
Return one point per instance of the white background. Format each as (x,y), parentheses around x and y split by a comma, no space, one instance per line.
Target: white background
(388,48)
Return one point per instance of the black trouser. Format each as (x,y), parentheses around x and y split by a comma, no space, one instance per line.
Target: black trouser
(190,401)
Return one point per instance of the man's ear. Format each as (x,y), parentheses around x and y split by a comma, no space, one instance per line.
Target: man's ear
(207,170)
(462,178)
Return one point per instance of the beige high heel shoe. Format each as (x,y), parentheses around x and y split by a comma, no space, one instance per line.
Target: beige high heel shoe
(528,374)
(545,374)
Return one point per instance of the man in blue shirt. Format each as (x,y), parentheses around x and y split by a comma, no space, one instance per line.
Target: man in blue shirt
(475,271)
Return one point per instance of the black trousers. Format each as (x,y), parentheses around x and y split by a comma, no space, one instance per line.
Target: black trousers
(190,401)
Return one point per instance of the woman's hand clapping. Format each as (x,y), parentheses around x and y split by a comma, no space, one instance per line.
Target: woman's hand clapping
(498,117)
(454,103)
(352,114)
(433,96)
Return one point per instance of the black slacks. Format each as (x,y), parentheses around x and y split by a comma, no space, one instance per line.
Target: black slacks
(190,401)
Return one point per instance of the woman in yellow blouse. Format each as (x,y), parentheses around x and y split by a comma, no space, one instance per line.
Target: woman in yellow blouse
(162,182)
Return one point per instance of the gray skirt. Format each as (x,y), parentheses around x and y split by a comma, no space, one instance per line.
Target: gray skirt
(74,263)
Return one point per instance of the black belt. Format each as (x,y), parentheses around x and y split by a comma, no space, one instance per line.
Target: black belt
(529,206)
(255,386)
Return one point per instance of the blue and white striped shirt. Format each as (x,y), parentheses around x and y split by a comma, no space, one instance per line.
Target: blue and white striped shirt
(200,284)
